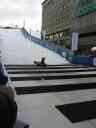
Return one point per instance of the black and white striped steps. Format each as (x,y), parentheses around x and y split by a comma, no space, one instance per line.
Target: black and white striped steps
(29,79)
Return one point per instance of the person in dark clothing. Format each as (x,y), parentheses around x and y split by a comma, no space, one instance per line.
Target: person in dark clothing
(3,77)
(92,56)
(8,111)
(41,63)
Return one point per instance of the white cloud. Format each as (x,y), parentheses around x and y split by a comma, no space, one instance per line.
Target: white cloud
(18,10)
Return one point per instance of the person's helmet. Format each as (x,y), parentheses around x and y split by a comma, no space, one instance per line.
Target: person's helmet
(93,50)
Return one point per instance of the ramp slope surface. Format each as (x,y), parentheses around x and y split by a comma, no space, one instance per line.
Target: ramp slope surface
(16,49)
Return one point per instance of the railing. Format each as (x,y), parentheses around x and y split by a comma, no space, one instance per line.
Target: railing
(50,45)
(66,53)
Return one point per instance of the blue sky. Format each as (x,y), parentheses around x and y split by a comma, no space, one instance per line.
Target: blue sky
(16,11)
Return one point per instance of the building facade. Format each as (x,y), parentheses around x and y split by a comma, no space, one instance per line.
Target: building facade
(57,20)
(85,24)
(62,17)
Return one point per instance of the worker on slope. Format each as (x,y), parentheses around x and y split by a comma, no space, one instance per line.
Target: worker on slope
(41,63)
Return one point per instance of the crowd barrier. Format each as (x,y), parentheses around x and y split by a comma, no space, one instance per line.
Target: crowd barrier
(80,59)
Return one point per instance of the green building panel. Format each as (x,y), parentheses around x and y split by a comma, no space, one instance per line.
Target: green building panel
(85,7)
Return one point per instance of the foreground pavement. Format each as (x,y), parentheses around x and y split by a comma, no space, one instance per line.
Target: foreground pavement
(45,101)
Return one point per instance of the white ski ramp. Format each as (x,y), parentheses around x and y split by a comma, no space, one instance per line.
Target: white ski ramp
(16,49)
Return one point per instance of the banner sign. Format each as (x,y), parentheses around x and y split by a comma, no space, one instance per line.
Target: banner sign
(74,41)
